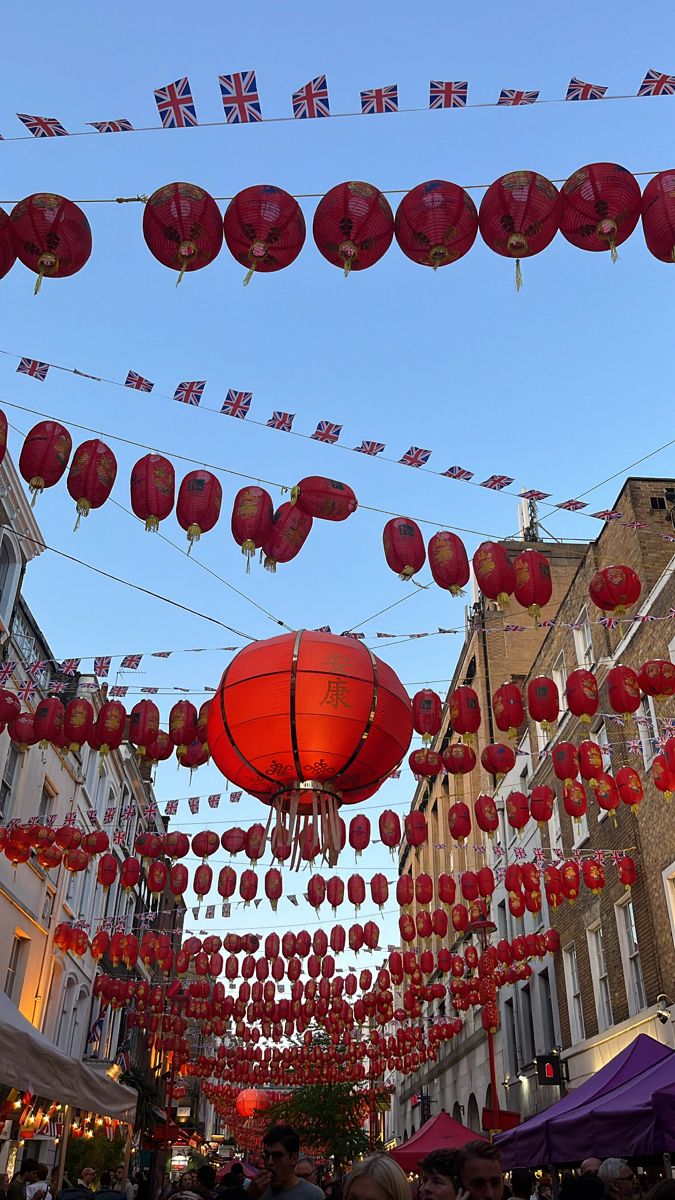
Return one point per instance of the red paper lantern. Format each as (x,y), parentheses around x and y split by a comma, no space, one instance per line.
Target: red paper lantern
(325,499)
(486,882)
(157,876)
(254,842)
(264,229)
(250,1102)
(498,759)
(459,821)
(565,759)
(148,845)
(233,840)
(7,248)
(427,712)
(415,827)
(600,207)
(379,890)
(176,844)
(487,817)
(353,225)
(448,562)
(436,223)
(92,474)
(424,888)
(407,928)
(203,880)
(227,882)
(10,706)
(494,573)
(182,227)
(359,833)
(143,725)
(508,710)
(614,589)
(464,710)
(623,690)
(100,945)
(130,873)
(183,724)
(591,764)
(658,216)
(106,871)
(662,776)
(96,842)
(403,547)
(513,878)
(574,799)
(153,483)
(629,786)
(460,918)
(405,890)
(469,885)
(78,723)
(356,891)
(570,880)
(205,843)
(44,456)
(389,825)
(22,732)
(290,529)
(48,720)
(178,879)
(534,585)
(51,235)
(606,792)
(251,524)
(593,875)
(542,803)
(458,758)
(626,870)
(517,810)
(425,763)
(198,506)
(520,215)
(195,755)
(657,678)
(582,695)
(543,701)
(446,889)
(273,886)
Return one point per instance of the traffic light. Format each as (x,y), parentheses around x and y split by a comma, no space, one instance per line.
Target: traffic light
(549,1069)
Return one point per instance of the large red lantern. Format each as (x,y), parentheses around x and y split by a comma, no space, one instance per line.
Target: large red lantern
(425,763)
(662,777)
(542,803)
(251,524)
(353,225)
(448,561)
(543,701)
(614,589)
(264,229)
(273,886)
(487,817)
(44,456)
(658,216)
(7,247)
(607,793)
(325,499)
(600,207)
(520,215)
(446,888)
(198,506)
(574,799)
(250,1102)
(593,874)
(379,890)
(359,834)
(143,725)
(403,547)
(459,821)
(464,708)
(534,585)
(590,762)
(51,235)
(10,706)
(130,873)
(48,720)
(205,843)
(498,759)
(309,720)
(517,810)
(153,482)
(227,882)
(581,691)
(626,871)
(183,724)
(427,713)
(290,529)
(78,723)
(494,573)
(458,758)
(565,759)
(109,728)
(92,473)
(657,678)
(508,710)
(623,690)
(182,227)
(436,223)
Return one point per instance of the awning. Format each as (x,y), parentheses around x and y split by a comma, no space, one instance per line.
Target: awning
(31,1063)
(442,1132)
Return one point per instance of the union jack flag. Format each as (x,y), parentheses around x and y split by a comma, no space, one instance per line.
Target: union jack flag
(578,90)
(235,797)
(514,629)
(150,811)
(134,380)
(370,448)
(380,100)
(6,671)
(210,912)
(415,457)
(281,420)
(34,368)
(102,665)
(241,101)
(171,808)
(656,84)
(190,393)
(193,804)
(109,815)
(533,494)
(496,482)
(118,691)
(214,801)
(150,691)
(572,505)
(70,819)
(607,514)
(131,662)
(635,524)
(43,126)
(175,104)
(57,687)
(608,622)
(237,404)
(447,95)
(458,473)
(510,96)
(27,689)
(161,654)
(123,1056)
(312,100)
(327,432)
(119,126)
(69,666)
(36,668)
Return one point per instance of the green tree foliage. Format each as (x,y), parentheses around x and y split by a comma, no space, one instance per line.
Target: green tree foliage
(328,1118)
(144,1084)
(97,1152)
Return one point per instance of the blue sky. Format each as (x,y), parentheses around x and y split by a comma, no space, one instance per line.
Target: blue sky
(558,386)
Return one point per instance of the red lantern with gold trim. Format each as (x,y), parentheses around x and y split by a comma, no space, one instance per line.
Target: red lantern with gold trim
(227,882)
(574,799)
(534,585)
(464,710)
(21,730)
(448,562)
(469,885)
(427,713)
(44,456)
(565,759)
(379,890)
(356,891)
(543,701)
(436,223)
(353,225)
(591,763)
(205,843)
(153,484)
(658,216)
(325,499)
(494,573)
(424,888)
(182,227)
(251,523)
(273,886)
(130,873)
(233,840)
(359,833)
(657,678)
(415,825)
(446,888)
(106,871)
(508,709)
(626,871)
(264,229)
(662,777)
(48,720)
(630,787)
(158,874)
(581,691)
(92,473)
(519,216)
(425,763)
(335,893)
(614,589)
(600,207)
(196,755)
(178,880)
(593,874)
(143,725)
(570,880)
(7,247)
(460,918)
(290,529)
(487,817)
(109,727)
(198,506)
(517,810)
(498,759)
(403,547)
(248,886)
(389,825)
(52,236)
(458,758)
(183,724)
(459,821)
(10,706)
(406,926)
(78,723)
(623,690)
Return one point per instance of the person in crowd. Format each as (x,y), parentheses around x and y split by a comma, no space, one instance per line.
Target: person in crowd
(204,1182)
(20,1181)
(582,1187)
(618,1178)
(663,1190)
(522,1183)
(237,1170)
(231,1186)
(590,1166)
(40,1189)
(122,1183)
(281,1146)
(333,1189)
(305,1168)
(377,1178)
(87,1179)
(105,1187)
(479,1171)
(438,1176)
(186,1181)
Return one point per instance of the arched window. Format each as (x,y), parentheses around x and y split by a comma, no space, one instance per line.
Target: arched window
(405,1134)
(488,1097)
(10,572)
(52,1011)
(457,1112)
(79,1022)
(472,1114)
(63,1032)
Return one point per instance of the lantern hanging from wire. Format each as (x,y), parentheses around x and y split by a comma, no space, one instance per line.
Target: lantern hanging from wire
(458,758)
(517,810)
(403,547)
(658,216)
(459,821)
(44,456)
(152,485)
(436,223)
(581,692)
(614,589)
(389,825)
(325,499)
(353,225)
(427,713)
(416,829)
(630,787)
(448,562)
(7,247)
(52,236)
(519,216)
(464,710)
(182,227)
(507,708)
(600,207)
(289,532)
(623,690)
(534,586)
(662,777)
(251,523)
(494,573)
(498,759)
(91,476)
(264,229)
(574,799)
(543,701)
(198,505)
(657,678)
(487,817)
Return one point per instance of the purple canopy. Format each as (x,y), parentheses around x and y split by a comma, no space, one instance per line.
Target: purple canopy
(536,1141)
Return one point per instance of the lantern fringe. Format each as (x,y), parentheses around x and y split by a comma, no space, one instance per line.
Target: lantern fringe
(295,492)
(83,507)
(181,274)
(519,276)
(152,525)
(613,252)
(38,282)
(249,274)
(194,533)
(270,564)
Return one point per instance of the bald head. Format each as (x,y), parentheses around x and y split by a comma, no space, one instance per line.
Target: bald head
(591,1166)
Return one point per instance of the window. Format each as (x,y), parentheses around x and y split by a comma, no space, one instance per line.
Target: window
(583,640)
(45,806)
(16,967)
(527,1023)
(501,919)
(559,677)
(73,890)
(7,781)
(573,990)
(603,999)
(91,777)
(546,1010)
(10,571)
(647,728)
(630,955)
(557,827)
(511,1044)
(599,736)
(657,503)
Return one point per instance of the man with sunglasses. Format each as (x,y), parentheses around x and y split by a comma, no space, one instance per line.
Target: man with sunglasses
(281,1147)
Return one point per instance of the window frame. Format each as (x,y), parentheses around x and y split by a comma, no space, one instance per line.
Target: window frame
(600,976)
(649,748)
(13,755)
(572,980)
(636,992)
(583,640)
(16,968)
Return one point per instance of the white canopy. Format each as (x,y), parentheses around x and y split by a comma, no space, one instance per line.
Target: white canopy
(31,1063)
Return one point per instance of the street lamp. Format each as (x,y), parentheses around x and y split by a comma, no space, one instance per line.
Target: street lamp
(483,929)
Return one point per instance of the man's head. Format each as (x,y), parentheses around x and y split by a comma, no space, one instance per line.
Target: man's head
(522,1183)
(206,1176)
(280,1151)
(237,1170)
(42,1171)
(591,1166)
(88,1175)
(618,1178)
(438,1173)
(119,1174)
(29,1170)
(479,1170)
(305,1168)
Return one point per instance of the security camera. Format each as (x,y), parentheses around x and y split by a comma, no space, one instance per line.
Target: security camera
(662,1013)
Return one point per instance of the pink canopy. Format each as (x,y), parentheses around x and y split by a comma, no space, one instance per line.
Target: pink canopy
(440,1133)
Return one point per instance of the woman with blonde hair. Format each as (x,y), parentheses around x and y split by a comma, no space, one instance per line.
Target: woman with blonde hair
(377,1178)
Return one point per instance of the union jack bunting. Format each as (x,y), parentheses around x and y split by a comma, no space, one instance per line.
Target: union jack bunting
(520,853)
(578,90)
(214,801)
(635,525)
(42,126)
(496,482)
(109,815)
(118,690)
(415,457)
(380,100)
(126,813)
(458,473)
(193,804)
(533,494)
(514,629)
(236,797)
(326,431)
(69,666)
(190,393)
(7,669)
(572,505)
(92,815)
(34,368)
(150,810)
(241,101)
(102,665)
(175,104)
(57,687)
(149,691)
(134,380)
(511,97)
(447,95)
(323,629)
(131,662)
(606,514)
(70,819)
(27,689)
(311,100)
(210,912)
(608,622)
(119,126)
(171,808)
(237,404)
(656,84)
(281,420)
(370,448)
(161,654)
(36,668)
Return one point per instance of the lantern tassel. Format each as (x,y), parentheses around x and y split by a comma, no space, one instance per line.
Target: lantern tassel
(519,276)
(249,274)
(38,282)
(270,564)
(181,273)
(613,252)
